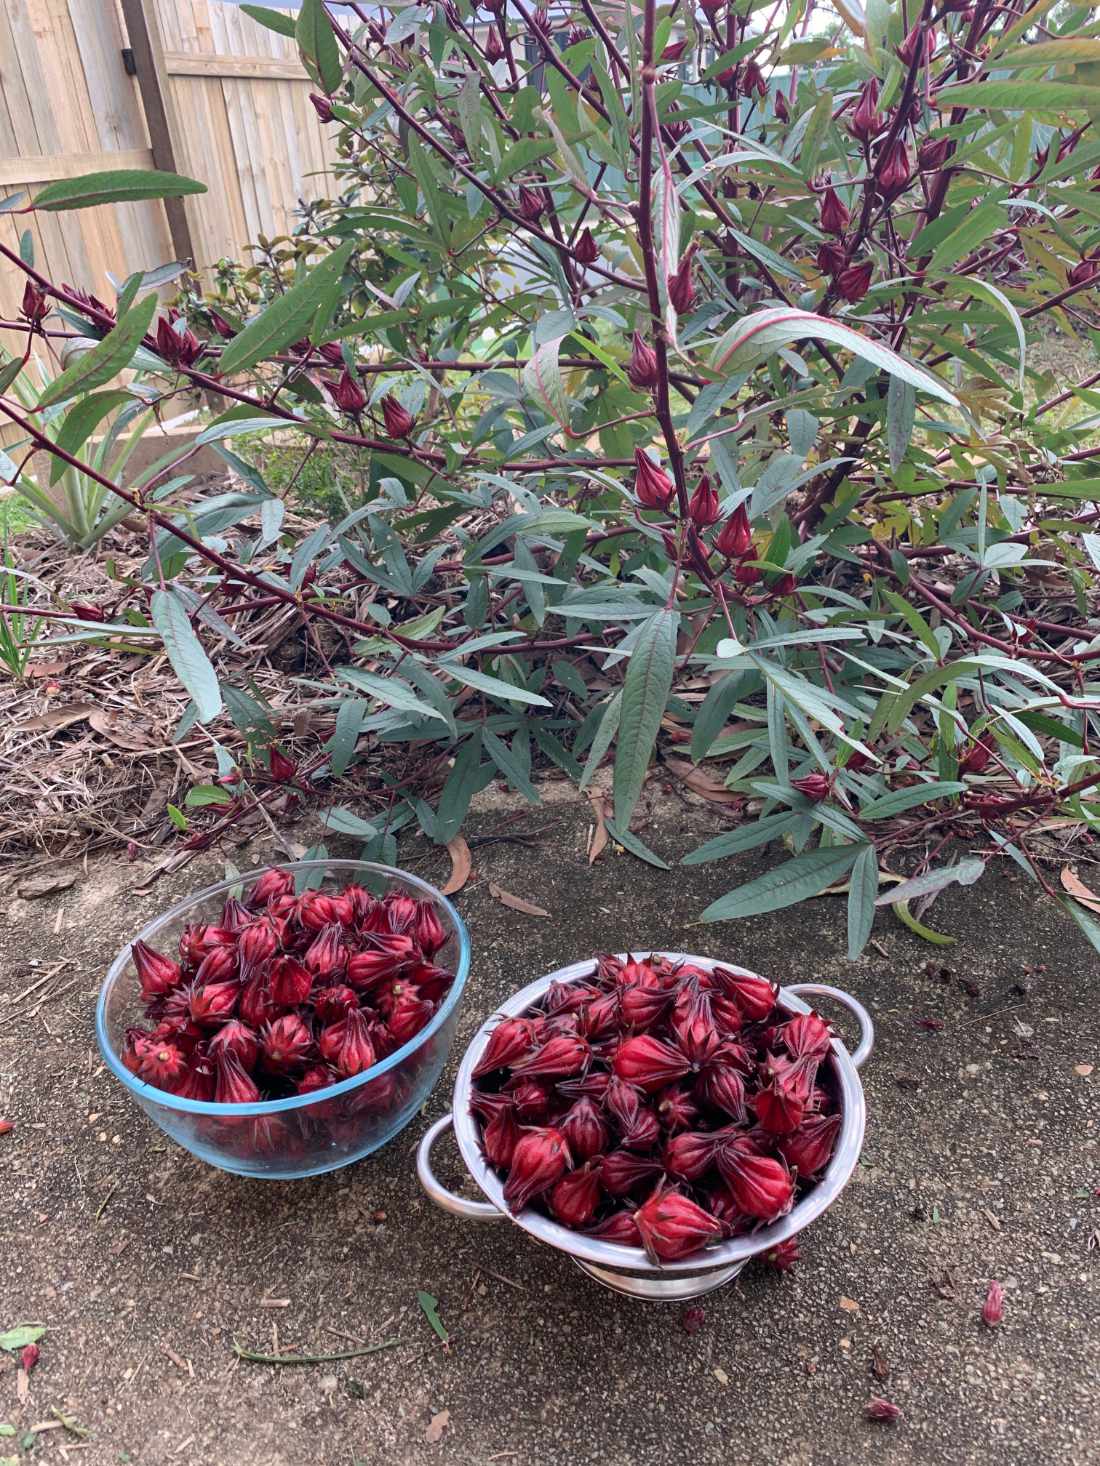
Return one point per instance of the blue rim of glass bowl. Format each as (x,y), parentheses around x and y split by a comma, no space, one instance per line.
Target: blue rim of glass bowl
(298,1101)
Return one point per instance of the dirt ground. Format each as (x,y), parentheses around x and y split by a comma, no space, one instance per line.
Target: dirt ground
(981,1162)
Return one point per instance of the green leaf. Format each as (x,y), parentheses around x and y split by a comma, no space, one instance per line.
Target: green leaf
(289,317)
(760,335)
(805,875)
(118,186)
(964,873)
(275,20)
(906,917)
(901,799)
(714,710)
(389,690)
(901,411)
(345,822)
(509,766)
(862,891)
(105,359)
(745,837)
(494,686)
(631,842)
(979,225)
(317,43)
(543,381)
(1019,96)
(1001,300)
(646,687)
(605,733)
(1085,921)
(81,421)
(185,652)
(204,794)
(430,1306)
(21,1335)
(10,371)
(345,734)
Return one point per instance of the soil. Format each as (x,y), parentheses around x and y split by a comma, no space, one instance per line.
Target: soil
(981,1162)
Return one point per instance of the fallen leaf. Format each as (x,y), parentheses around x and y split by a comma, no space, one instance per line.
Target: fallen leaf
(1083,1069)
(1077,889)
(598,843)
(45,669)
(21,1335)
(849,1305)
(907,1081)
(436,1426)
(880,1367)
(120,731)
(461,865)
(56,718)
(430,1306)
(46,884)
(702,784)
(515,903)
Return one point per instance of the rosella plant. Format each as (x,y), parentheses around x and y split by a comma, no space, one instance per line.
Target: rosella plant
(688,356)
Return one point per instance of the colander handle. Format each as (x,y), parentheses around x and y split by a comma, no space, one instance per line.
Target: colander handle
(859,1012)
(477,1211)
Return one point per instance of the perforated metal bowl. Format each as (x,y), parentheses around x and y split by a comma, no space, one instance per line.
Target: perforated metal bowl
(627,1269)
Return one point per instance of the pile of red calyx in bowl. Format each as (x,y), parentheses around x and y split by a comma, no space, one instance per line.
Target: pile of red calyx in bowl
(288,994)
(658,1105)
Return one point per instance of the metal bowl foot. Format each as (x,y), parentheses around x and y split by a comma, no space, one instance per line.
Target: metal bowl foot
(660,1290)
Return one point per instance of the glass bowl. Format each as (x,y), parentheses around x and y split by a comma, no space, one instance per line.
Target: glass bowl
(302,1135)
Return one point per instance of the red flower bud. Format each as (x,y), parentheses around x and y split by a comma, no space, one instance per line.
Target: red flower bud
(408,1016)
(531,204)
(157,974)
(641,1006)
(932,153)
(865,121)
(654,488)
(399,420)
(806,1036)
(347,394)
(752,80)
(212,1004)
(681,286)
(831,258)
(977,756)
(644,1133)
(782,110)
(892,170)
(622,1101)
(238,1039)
(641,369)
(346,1045)
(810,1148)
(1082,272)
(783,1096)
(673,52)
(761,1187)
(852,283)
(256,1006)
(703,505)
(494,46)
(919,45)
(269,886)
(834,214)
(285,1044)
(879,1409)
(586,251)
(815,786)
(712,7)
(220,325)
(283,769)
(574,1199)
(673,1226)
(722,1087)
(177,348)
(648,1062)
(162,1064)
(291,982)
(322,106)
(585,1129)
(784,1255)
(557,1059)
(540,1159)
(676,1109)
(232,1086)
(509,1041)
(28,1357)
(734,539)
(500,1138)
(326,956)
(690,1154)
(255,945)
(993,1309)
(754,995)
(622,1170)
(35,304)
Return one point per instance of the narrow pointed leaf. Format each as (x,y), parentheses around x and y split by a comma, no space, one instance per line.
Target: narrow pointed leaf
(646,688)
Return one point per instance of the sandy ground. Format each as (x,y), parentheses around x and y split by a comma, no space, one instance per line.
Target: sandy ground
(981,1162)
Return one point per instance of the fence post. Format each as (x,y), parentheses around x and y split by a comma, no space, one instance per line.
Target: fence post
(143,29)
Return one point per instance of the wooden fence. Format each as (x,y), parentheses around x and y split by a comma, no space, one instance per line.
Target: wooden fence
(215,96)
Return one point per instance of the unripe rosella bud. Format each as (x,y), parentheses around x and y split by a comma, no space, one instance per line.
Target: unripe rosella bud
(892,169)
(232,1086)
(654,488)
(285,1044)
(84,611)
(641,369)
(852,283)
(761,1187)
(586,251)
(810,1148)
(754,995)
(1082,272)
(35,304)
(238,1039)
(157,974)
(347,394)
(494,46)
(703,505)
(865,122)
(734,539)
(399,420)
(540,1159)
(815,786)
(932,153)
(681,285)
(677,128)
(834,214)
(752,80)
(574,1199)
(673,1226)
(919,45)
(268,887)
(322,106)
(283,769)
(782,110)
(648,1062)
(993,1310)
(530,203)
(346,1045)
(585,1129)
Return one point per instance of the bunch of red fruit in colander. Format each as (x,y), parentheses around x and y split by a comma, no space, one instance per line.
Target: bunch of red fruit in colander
(658,1105)
(288,994)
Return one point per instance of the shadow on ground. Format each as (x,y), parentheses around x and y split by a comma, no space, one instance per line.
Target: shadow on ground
(980,1162)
